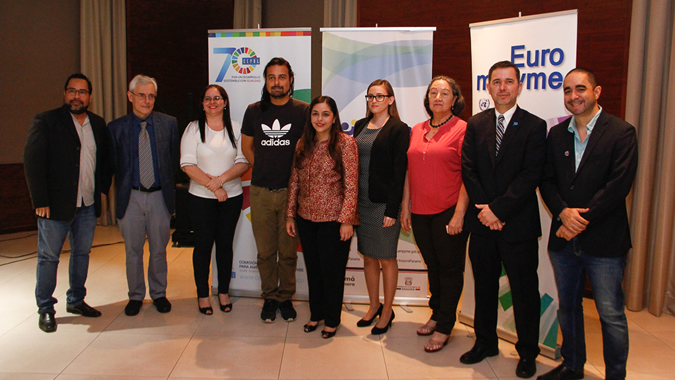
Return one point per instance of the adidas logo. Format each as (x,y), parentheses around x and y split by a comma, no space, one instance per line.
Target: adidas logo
(276,131)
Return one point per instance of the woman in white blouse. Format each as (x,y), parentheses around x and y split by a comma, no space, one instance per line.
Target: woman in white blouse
(210,154)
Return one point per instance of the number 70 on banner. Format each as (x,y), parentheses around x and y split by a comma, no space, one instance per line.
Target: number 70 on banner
(226,64)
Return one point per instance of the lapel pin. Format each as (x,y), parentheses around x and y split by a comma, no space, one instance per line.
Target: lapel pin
(567,153)
(515,123)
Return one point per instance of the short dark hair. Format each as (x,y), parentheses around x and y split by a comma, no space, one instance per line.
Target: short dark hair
(504,65)
(459,105)
(589,74)
(276,61)
(77,76)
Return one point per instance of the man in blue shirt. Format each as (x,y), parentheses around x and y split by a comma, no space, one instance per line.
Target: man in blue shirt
(590,166)
(146,155)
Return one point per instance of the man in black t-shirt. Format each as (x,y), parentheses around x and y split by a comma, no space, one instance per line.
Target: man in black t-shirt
(270,131)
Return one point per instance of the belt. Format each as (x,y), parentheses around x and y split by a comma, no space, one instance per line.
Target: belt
(150,190)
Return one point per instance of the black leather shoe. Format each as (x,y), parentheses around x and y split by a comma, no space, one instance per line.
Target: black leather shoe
(477,354)
(562,373)
(367,322)
(84,310)
(47,322)
(162,304)
(133,307)
(526,368)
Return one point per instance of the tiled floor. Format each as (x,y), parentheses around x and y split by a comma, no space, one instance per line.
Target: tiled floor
(185,344)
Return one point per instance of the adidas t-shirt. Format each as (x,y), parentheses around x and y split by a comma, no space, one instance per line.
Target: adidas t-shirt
(275,133)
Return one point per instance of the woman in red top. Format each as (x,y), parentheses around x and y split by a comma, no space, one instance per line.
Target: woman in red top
(436,198)
(322,209)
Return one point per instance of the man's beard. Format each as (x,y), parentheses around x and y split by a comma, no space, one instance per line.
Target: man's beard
(77,110)
(280,95)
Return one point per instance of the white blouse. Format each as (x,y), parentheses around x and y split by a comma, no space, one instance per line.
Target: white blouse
(214,157)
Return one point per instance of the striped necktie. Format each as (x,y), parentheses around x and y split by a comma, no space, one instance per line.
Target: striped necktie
(500,132)
(145,166)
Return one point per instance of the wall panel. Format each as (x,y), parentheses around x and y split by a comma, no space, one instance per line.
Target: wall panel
(603,35)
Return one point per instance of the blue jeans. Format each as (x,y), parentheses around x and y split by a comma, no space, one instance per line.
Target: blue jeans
(605,275)
(51,236)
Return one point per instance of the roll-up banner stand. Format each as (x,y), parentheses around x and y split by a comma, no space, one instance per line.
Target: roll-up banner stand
(351,59)
(544,47)
(237,59)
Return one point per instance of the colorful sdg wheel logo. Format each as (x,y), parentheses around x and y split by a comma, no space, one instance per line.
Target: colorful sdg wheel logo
(244,60)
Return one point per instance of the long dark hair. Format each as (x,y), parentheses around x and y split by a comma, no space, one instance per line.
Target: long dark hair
(307,142)
(265,95)
(392,110)
(459,105)
(227,122)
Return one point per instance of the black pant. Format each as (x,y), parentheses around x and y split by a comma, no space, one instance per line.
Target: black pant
(520,260)
(444,256)
(326,259)
(214,221)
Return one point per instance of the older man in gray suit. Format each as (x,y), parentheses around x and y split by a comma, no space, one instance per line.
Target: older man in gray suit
(146,154)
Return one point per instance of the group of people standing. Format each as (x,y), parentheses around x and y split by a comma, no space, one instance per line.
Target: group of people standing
(315,185)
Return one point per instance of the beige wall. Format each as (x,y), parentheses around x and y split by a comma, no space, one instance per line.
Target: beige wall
(39,48)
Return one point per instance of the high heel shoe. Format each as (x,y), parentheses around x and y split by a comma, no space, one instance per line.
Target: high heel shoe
(309,328)
(367,322)
(205,310)
(225,308)
(377,331)
(436,345)
(328,334)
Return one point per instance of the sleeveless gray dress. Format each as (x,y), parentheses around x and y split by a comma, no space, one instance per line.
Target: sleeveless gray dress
(372,239)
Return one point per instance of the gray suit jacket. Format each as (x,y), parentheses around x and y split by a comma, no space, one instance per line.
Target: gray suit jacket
(168,149)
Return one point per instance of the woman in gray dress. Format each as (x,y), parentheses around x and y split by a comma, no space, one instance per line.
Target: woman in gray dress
(383,142)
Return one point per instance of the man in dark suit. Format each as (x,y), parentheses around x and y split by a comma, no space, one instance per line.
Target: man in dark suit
(591,162)
(67,168)
(502,162)
(146,154)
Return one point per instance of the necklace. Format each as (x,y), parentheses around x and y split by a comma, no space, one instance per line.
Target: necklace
(436,126)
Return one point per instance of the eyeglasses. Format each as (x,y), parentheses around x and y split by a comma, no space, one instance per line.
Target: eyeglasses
(379,97)
(208,99)
(145,96)
(73,92)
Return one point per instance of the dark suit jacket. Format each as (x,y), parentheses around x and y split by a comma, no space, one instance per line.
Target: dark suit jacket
(506,182)
(601,183)
(168,149)
(388,164)
(52,162)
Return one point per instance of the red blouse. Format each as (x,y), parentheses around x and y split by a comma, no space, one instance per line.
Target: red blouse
(319,193)
(435,166)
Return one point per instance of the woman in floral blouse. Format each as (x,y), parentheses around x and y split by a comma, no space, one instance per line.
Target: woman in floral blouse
(322,209)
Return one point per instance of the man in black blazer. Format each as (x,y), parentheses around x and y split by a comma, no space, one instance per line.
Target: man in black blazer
(146,154)
(502,163)
(67,167)
(591,162)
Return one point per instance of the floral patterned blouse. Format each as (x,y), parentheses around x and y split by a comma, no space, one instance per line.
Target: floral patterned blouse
(320,194)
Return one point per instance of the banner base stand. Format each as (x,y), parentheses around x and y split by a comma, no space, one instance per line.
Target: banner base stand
(403,302)
(552,353)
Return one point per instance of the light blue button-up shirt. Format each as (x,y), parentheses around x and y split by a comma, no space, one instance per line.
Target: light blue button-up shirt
(580,147)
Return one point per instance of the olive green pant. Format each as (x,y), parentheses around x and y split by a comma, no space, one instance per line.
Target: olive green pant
(277,251)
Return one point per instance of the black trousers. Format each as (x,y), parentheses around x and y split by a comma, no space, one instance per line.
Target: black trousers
(213,221)
(444,256)
(326,259)
(520,260)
